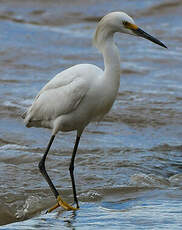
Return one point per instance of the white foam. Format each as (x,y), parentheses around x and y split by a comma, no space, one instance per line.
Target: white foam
(149,180)
(12,147)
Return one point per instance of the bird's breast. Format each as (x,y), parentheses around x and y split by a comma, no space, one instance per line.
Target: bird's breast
(104,99)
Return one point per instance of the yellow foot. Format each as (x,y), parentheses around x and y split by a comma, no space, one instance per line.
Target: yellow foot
(63,204)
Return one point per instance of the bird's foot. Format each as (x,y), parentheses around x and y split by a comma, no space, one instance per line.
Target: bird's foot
(63,204)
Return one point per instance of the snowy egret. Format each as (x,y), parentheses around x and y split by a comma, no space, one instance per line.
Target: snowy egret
(82,94)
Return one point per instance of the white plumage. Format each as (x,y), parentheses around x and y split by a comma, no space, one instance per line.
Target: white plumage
(82,93)
(71,100)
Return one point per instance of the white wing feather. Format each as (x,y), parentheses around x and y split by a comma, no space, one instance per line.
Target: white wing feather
(61,95)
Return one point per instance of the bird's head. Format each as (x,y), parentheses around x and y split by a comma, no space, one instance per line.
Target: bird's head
(123,23)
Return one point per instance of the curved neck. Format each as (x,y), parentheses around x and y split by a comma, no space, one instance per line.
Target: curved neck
(104,41)
(111,56)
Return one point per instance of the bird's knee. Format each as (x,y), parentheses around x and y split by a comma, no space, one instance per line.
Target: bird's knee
(41,166)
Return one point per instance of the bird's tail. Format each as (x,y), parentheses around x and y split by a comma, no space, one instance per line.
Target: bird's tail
(26,117)
(23,115)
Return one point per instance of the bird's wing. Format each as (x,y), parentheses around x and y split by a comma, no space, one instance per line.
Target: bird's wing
(61,79)
(60,96)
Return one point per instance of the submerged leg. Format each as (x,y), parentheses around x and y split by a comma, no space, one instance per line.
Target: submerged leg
(51,185)
(71,168)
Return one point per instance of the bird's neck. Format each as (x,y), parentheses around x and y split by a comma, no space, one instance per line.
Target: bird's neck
(104,41)
(111,57)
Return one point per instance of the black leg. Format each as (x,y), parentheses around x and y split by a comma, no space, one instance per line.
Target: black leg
(43,169)
(71,168)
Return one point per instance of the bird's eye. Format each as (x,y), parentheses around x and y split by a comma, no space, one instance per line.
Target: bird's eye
(125,23)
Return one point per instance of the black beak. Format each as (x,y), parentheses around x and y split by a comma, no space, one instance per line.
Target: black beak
(143,34)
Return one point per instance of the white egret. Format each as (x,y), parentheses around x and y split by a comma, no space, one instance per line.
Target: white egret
(83,93)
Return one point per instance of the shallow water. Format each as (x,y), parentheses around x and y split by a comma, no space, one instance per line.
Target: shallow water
(128,167)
